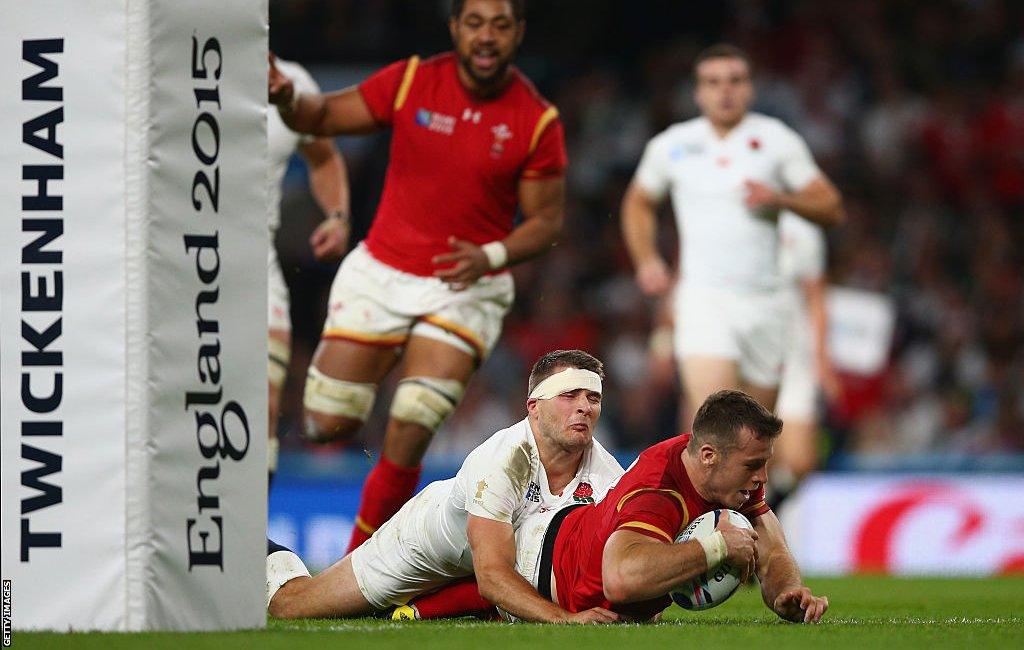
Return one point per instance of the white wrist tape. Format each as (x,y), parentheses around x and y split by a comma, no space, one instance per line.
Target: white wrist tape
(566,381)
(497,254)
(714,548)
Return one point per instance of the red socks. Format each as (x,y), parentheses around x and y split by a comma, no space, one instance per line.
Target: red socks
(461,598)
(386,489)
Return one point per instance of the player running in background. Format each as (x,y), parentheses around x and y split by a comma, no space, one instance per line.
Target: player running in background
(471,140)
(328,182)
(729,172)
(620,555)
(465,524)
(808,369)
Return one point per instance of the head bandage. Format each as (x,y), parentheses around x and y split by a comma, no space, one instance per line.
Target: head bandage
(565,381)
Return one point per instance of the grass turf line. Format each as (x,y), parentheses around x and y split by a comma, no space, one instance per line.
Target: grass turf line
(864,612)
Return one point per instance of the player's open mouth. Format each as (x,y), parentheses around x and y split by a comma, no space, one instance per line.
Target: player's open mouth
(485,60)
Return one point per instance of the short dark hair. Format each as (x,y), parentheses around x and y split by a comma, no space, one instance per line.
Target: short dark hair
(552,362)
(722,417)
(721,51)
(518,8)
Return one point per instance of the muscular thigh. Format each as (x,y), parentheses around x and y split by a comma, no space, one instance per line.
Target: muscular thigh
(428,357)
(356,362)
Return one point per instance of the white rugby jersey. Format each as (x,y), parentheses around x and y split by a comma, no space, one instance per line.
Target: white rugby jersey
(503,480)
(724,244)
(282,141)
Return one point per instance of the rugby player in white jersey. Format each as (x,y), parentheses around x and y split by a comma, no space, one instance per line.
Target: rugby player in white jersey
(807,370)
(467,524)
(729,172)
(328,182)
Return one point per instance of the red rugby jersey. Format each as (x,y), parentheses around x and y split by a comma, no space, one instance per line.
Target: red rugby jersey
(456,160)
(655,498)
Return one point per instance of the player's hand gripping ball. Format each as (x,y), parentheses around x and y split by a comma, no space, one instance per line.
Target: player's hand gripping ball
(716,585)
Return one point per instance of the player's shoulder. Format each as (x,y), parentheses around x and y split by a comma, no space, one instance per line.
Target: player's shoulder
(515,436)
(602,460)
(688,131)
(772,127)
(526,93)
(436,63)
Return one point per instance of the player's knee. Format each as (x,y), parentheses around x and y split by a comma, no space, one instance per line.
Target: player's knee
(426,401)
(286,603)
(335,408)
(279,354)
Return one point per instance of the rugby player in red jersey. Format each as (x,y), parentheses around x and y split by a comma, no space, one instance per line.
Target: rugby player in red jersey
(621,555)
(471,140)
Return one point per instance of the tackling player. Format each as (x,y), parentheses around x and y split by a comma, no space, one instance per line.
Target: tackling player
(465,524)
(620,554)
(471,140)
(329,185)
(729,171)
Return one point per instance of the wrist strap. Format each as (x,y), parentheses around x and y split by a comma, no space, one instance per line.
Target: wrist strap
(714,548)
(497,254)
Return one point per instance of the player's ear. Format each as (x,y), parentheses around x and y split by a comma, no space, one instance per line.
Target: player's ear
(708,455)
(520,32)
(531,405)
(453,28)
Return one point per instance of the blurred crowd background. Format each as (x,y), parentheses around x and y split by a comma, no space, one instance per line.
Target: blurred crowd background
(914,109)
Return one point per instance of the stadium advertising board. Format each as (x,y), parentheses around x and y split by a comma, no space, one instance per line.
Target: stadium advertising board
(939,525)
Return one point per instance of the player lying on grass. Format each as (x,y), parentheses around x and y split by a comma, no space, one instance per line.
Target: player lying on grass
(541,464)
(620,554)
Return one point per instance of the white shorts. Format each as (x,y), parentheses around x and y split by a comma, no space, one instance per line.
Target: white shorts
(749,328)
(400,561)
(376,304)
(798,393)
(278,317)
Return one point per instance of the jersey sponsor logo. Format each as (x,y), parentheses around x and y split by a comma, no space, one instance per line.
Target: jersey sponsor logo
(469,115)
(501,135)
(480,487)
(436,122)
(533,492)
(584,493)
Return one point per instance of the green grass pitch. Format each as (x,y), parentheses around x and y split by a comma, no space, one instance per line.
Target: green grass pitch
(866,612)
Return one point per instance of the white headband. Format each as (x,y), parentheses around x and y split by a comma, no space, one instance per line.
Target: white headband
(565,381)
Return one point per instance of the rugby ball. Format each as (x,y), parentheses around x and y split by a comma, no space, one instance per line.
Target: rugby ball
(713,587)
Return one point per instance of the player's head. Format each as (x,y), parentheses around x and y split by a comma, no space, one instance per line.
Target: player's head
(486,34)
(732,442)
(564,400)
(725,89)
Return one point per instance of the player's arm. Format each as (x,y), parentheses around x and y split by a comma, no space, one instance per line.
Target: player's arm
(818,201)
(635,567)
(328,181)
(494,556)
(542,202)
(782,588)
(640,233)
(337,113)
(642,561)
